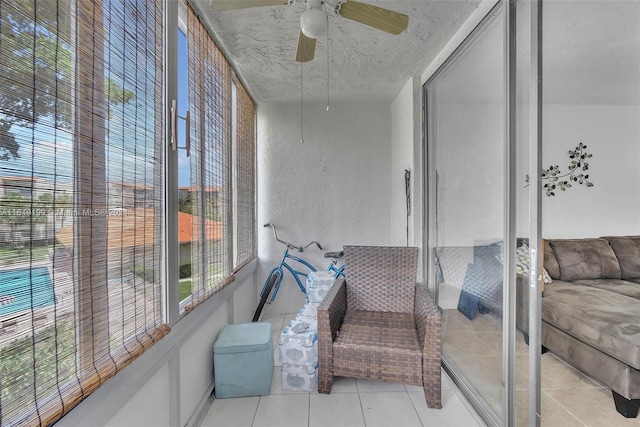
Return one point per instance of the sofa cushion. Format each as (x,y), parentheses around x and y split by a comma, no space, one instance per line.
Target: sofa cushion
(585,259)
(627,250)
(623,287)
(605,320)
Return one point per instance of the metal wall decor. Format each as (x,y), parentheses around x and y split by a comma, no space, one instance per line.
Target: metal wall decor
(554,178)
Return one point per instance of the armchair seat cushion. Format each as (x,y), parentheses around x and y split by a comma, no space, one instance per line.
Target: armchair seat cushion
(370,340)
(380,320)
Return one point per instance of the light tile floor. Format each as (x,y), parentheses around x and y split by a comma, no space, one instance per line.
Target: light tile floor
(568,398)
(352,403)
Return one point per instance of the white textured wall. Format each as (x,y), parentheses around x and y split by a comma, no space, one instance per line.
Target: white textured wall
(335,188)
(402,139)
(612,205)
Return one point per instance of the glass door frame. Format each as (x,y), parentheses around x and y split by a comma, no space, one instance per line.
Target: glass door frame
(508,8)
(535,211)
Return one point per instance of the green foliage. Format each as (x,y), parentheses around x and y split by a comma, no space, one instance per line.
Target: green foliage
(185,270)
(8,145)
(28,51)
(116,94)
(15,209)
(209,204)
(211,208)
(43,50)
(146,274)
(185,289)
(40,359)
(38,251)
(184,204)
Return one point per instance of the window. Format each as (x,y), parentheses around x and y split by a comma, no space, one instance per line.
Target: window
(210,112)
(185,202)
(83,152)
(221,119)
(81,167)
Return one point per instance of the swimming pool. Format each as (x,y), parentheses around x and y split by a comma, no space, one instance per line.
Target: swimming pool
(19,286)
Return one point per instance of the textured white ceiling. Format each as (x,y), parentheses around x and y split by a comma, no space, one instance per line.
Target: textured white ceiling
(363,64)
(591,51)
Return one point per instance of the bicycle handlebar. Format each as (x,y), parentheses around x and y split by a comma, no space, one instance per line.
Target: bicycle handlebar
(291,245)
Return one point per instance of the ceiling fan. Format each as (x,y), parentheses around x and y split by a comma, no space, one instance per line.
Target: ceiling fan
(313,22)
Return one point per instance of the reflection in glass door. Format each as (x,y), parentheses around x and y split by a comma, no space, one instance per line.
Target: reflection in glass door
(467,129)
(479,215)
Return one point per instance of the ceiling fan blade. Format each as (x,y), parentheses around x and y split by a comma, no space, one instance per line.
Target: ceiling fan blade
(306,48)
(243,4)
(374,16)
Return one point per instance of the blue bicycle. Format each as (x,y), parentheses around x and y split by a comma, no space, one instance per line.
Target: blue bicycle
(274,280)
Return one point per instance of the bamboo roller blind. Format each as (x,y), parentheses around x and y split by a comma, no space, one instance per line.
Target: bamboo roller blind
(246,179)
(81,184)
(82,140)
(210,106)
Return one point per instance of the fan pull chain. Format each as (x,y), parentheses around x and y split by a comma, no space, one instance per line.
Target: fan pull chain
(327,62)
(301,109)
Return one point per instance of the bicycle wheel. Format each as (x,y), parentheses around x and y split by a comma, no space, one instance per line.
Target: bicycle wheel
(263,298)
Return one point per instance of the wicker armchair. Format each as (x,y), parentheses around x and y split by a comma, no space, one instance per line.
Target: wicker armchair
(379,324)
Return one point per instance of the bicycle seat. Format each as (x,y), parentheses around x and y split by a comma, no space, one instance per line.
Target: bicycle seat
(334,254)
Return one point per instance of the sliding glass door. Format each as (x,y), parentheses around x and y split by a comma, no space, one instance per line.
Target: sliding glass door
(467,126)
(480,138)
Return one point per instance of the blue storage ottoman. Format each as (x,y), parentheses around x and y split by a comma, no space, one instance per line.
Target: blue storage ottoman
(243,360)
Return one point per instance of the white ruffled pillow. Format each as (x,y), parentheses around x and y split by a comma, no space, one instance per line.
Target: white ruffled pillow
(522,263)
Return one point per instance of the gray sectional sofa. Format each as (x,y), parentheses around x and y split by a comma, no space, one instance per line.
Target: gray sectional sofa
(591,311)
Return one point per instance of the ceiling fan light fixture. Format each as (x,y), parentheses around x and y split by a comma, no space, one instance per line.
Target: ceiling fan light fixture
(313,23)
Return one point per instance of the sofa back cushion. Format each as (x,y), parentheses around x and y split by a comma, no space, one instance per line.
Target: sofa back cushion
(627,250)
(581,259)
(550,262)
